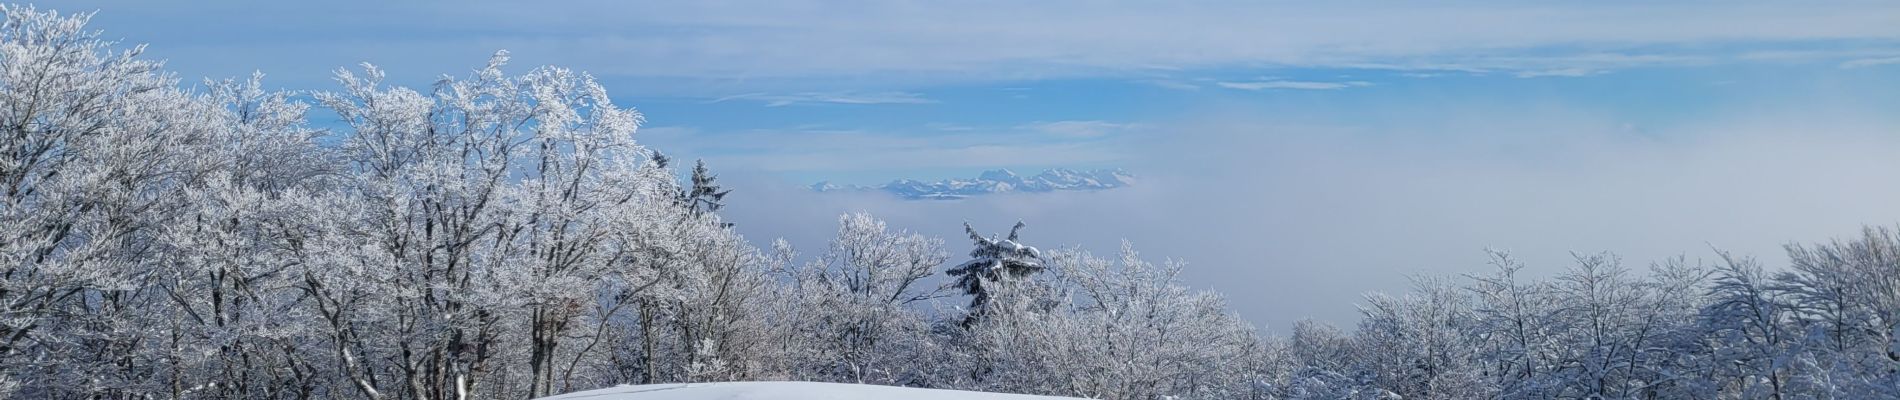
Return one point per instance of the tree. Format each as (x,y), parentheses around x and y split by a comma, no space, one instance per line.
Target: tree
(102,158)
(1521,348)
(1601,303)
(851,315)
(993,263)
(489,209)
(1747,321)
(1845,293)
(1324,365)
(705,196)
(1121,329)
(703,318)
(1151,335)
(1423,345)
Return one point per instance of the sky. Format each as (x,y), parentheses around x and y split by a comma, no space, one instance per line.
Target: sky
(1296,155)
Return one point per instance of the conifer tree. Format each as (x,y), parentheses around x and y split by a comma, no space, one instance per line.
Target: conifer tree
(993,262)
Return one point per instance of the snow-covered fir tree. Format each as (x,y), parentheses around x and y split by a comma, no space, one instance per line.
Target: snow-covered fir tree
(993,263)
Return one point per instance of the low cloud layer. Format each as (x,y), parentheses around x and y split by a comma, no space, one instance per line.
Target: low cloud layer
(1298,219)
(805,153)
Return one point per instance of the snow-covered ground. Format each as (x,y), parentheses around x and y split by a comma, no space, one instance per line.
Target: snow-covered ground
(784,391)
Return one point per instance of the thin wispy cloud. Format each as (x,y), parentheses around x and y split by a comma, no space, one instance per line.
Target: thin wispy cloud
(1571,64)
(1562,72)
(1172,84)
(781,100)
(1292,85)
(949,127)
(1080,129)
(1871,62)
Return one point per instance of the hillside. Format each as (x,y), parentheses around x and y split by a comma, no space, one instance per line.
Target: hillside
(783,391)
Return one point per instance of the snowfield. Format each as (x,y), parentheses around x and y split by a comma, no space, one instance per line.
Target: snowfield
(784,391)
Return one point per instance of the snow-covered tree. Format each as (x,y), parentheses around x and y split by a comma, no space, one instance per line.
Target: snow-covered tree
(491,207)
(993,262)
(1747,321)
(705,196)
(702,318)
(1596,325)
(1124,329)
(1521,349)
(1424,345)
(1845,296)
(854,312)
(102,159)
(1151,336)
(1324,364)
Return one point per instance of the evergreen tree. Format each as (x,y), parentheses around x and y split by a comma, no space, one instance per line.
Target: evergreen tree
(993,262)
(705,195)
(660,160)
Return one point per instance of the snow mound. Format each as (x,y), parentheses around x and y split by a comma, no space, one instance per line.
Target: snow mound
(784,391)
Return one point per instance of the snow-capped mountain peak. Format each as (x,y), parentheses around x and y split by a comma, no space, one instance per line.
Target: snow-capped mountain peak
(825,186)
(1000,175)
(995,181)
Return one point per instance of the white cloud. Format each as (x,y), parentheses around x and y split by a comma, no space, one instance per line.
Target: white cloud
(1870,62)
(949,127)
(1296,85)
(1562,72)
(781,100)
(1172,84)
(1080,129)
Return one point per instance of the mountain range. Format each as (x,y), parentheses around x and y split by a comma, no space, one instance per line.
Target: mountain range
(994,182)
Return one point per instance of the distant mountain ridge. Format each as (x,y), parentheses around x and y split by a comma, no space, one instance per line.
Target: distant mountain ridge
(993,182)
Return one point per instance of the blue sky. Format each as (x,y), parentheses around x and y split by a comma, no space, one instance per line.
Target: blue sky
(1064,75)
(1297,153)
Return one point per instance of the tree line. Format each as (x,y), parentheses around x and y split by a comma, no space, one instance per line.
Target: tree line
(503,236)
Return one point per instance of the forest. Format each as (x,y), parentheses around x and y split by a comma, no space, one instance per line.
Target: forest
(504,235)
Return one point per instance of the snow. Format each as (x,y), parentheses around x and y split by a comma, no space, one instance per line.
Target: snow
(783,391)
